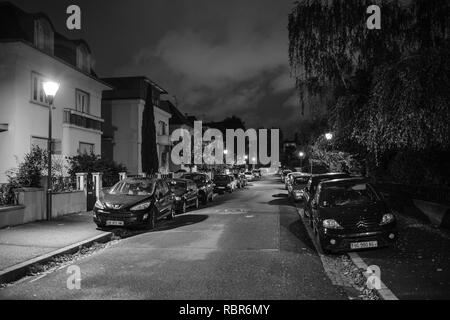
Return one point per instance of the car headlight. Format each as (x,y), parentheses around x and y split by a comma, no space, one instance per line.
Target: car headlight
(99,205)
(141,206)
(387,218)
(331,224)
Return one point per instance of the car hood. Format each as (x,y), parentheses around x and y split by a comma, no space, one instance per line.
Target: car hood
(354,213)
(113,201)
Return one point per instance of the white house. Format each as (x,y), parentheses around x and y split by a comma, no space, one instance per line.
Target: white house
(122,109)
(31,52)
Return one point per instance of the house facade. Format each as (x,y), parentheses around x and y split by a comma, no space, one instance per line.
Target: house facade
(122,109)
(32,52)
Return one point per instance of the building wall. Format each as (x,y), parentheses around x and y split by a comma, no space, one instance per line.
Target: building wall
(25,118)
(163,141)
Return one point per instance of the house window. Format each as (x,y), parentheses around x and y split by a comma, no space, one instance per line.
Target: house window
(162,128)
(82,101)
(42,144)
(37,89)
(86,148)
(43,35)
(83,59)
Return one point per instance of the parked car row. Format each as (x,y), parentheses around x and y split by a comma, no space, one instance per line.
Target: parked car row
(344,212)
(143,201)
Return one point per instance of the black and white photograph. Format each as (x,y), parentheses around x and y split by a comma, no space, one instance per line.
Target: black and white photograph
(225,156)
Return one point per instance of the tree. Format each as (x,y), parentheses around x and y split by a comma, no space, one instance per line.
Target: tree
(149,150)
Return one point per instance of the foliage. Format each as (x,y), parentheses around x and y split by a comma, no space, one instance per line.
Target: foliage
(31,170)
(90,163)
(149,151)
(409,106)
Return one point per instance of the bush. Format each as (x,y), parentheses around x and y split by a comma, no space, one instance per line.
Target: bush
(90,163)
(30,171)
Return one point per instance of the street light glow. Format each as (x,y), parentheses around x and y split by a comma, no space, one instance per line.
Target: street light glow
(50,88)
(225,151)
(301,154)
(329,136)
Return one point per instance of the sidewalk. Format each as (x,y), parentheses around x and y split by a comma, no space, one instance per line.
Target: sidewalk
(31,243)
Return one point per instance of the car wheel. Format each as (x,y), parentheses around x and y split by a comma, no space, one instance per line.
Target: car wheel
(171,215)
(197,203)
(151,222)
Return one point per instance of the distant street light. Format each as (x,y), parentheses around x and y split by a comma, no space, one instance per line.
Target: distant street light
(225,152)
(302,155)
(50,90)
(329,136)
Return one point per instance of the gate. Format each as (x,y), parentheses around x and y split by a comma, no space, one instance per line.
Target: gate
(91,193)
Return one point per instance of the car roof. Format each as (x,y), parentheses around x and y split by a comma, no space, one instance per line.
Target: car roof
(345,181)
(139,179)
(182,180)
(328,175)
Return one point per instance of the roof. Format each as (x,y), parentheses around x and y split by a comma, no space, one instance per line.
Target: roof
(18,25)
(177,117)
(130,88)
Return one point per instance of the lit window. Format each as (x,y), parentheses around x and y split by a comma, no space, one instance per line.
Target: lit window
(86,148)
(82,101)
(37,89)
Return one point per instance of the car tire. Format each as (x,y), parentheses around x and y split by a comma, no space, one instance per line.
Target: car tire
(151,222)
(171,215)
(197,203)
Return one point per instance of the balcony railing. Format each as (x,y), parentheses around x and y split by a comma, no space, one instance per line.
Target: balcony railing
(83,120)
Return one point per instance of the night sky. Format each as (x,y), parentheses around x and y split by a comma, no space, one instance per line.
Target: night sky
(218,58)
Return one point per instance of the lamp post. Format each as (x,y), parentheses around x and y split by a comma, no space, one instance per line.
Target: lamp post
(301,154)
(50,90)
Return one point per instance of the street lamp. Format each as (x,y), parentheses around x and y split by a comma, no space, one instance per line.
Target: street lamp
(50,90)
(302,155)
(329,136)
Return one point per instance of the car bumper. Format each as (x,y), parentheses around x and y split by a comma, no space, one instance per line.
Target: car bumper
(221,189)
(126,219)
(336,241)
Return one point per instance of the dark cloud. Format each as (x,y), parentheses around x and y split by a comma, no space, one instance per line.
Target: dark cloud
(218,57)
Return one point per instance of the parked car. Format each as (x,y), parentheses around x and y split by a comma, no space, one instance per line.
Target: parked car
(297,187)
(243,179)
(234,181)
(240,183)
(257,173)
(349,214)
(249,176)
(186,194)
(224,182)
(284,173)
(135,202)
(289,179)
(204,184)
(313,182)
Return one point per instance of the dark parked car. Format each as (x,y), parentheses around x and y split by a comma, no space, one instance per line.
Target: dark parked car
(204,184)
(186,194)
(349,214)
(313,182)
(135,202)
(297,186)
(224,182)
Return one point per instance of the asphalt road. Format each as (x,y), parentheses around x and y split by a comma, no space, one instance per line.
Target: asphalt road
(247,245)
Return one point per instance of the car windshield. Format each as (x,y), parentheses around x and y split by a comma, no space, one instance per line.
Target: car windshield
(133,188)
(198,178)
(348,195)
(301,180)
(178,185)
(221,178)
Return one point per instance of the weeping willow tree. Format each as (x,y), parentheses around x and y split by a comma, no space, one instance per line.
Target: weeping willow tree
(390,85)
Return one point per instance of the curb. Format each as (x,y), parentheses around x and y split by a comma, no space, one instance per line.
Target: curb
(20,270)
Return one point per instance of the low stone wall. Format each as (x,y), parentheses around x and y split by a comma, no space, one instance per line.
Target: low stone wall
(32,206)
(68,202)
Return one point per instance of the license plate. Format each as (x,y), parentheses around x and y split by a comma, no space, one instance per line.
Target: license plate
(114,223)
(364,245)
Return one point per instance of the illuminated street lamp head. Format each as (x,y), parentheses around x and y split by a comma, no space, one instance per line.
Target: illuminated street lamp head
(50,89)
(246,157)
(329,136)
(254,159)
(225,151)
(301,154)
